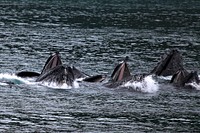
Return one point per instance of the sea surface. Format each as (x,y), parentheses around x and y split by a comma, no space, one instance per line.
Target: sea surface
(94,36)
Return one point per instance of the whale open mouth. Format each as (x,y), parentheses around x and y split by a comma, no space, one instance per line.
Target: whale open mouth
(121,72)
(53,61)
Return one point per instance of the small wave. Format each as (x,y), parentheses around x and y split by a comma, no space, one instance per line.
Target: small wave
(148,85)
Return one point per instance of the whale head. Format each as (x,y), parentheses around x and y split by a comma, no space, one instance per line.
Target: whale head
(169,64)
(121,72)
(53,61)
(178,79)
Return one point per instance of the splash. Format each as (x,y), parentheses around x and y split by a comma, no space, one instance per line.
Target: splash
(55,85)
(194,85)
(6,78)
(165,77)
(60,86)
(148,85)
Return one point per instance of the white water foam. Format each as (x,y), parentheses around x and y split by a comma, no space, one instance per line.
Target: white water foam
(79,79)
(12,78)
(55,85)
(59,86)
(165,77)
(148,85)
(7,78)
(194,85)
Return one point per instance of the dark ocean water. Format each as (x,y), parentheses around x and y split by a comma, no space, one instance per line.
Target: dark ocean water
(94,35)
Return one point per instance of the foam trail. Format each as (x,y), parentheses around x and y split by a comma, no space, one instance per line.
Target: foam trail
(148,85)
(12,78)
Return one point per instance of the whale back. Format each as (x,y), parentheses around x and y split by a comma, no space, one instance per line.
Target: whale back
(53,61)
(169,65)
(25,74)
(95,78)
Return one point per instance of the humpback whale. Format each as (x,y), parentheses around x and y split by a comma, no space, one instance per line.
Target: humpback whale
(169,64)
(133,78)
(183,77)
(55,71)
(178,79)
(53,61)
(172,64)
(121,71)
(121,74)
(58,74)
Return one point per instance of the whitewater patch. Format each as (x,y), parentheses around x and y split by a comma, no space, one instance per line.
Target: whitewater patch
(7,78)
(59,86)
(194,85)
(147,85)
(165,77)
